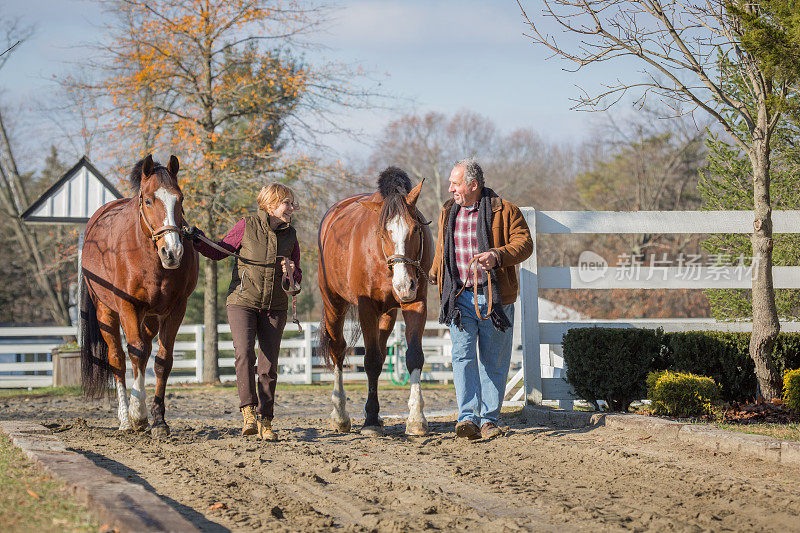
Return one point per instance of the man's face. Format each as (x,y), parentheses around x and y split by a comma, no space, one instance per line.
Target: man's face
(463,194)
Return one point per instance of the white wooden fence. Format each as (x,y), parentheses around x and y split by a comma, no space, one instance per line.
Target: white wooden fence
(533,337)
(297,363)
(536,388)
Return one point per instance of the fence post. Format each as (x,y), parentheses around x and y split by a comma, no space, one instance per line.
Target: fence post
(529,290)
(198,353)
(308,351)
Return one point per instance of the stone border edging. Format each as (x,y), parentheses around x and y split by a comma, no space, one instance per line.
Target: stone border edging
(127,506)
(703,435)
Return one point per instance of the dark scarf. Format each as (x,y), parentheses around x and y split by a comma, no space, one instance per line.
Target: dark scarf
(451,283)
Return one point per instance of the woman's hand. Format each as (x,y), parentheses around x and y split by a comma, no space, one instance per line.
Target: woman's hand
(287,265)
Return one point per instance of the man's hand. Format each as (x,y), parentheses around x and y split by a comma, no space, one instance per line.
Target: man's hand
(487,260)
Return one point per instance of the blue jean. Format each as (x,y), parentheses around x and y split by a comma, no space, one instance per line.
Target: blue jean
(480,381)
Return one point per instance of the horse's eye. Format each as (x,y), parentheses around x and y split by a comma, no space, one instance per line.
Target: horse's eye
(148,203)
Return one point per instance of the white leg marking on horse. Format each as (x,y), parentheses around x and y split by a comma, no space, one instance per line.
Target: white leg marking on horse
(122,407)
(171,241)
(138,408)
(416,422)
(339,398)
(401,281)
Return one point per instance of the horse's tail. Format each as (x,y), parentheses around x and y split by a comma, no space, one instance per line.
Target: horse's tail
(96,374)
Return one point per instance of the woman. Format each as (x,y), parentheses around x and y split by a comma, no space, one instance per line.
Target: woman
(256,302)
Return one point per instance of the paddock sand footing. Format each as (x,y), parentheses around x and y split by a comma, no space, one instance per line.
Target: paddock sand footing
(125,506)
(702,435)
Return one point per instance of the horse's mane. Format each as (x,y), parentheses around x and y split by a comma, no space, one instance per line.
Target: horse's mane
(394,185)
(161,172)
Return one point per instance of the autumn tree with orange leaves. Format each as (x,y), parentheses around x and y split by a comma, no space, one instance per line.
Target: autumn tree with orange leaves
(214,82)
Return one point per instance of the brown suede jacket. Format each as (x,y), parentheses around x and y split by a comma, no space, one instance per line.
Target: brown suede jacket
(512,244)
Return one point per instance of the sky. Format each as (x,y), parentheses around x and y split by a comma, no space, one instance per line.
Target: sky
(435,55)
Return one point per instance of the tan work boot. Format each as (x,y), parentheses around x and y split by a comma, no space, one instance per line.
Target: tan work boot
(249,415)
(265,430)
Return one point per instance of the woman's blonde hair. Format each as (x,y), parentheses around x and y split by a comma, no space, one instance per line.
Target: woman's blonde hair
(273,194)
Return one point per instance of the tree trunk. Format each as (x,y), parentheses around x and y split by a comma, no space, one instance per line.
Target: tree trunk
(765,315)
(210,346)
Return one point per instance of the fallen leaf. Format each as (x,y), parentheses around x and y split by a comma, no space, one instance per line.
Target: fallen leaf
(645,438)
(218,505)
(33,494)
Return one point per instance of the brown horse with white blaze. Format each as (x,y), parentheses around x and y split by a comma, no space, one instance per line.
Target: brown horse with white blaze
(374,253)
(138,272)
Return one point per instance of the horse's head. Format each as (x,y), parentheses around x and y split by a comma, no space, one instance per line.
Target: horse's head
(402,236)
(160,207)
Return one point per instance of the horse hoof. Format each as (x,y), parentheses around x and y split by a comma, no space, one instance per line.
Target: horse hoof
(341,426)
(138,424)
(416,428)
(158,432)
(372,431)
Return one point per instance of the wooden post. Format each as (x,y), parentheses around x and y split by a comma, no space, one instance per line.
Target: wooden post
(529,294)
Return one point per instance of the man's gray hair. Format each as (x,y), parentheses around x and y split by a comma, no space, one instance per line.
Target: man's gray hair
(472,171)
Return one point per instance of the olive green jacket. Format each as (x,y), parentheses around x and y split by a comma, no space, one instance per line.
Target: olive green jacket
(259,286)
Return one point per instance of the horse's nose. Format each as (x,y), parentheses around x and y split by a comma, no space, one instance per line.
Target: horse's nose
(169,258)
(412,286)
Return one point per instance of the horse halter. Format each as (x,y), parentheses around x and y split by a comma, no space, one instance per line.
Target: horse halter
(156,234)
(396,259)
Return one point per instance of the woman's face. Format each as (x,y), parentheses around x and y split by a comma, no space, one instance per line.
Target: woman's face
(284,210)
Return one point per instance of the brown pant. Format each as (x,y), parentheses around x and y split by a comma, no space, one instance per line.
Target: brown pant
(247,324)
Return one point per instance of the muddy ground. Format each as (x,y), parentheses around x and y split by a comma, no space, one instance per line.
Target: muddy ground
(534,478)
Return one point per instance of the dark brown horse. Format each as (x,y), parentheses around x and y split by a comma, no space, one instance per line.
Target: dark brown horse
(137,273)
(375,252)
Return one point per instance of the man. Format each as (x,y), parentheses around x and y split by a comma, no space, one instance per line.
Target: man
(477,223)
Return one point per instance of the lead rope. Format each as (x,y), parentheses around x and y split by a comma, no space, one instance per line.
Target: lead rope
(288,286)
(475,289)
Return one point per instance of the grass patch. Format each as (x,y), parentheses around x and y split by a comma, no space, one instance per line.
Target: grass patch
(31,500)
(40,392)
(779,431)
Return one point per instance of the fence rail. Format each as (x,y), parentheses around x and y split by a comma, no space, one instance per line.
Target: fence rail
(297,362)
(537,388)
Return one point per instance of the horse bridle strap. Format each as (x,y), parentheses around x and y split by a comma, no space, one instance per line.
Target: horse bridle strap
(472,262)
(156,234)
(397,259)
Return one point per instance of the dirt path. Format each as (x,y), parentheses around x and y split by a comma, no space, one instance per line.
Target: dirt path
(313,479)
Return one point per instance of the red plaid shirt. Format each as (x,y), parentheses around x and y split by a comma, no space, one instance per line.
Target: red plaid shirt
(465,236)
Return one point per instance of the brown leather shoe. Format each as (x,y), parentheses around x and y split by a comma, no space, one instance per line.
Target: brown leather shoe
(467,429)
(490,430)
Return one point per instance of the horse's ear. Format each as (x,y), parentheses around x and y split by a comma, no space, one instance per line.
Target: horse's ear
(147,166)
(413,196)
(372,206)
(173,166)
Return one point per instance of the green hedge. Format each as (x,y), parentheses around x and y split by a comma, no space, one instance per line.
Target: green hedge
(610,364)
(791,389)
(680,394)
(725,357)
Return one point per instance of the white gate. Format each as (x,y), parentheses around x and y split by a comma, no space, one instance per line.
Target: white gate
(591,275)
